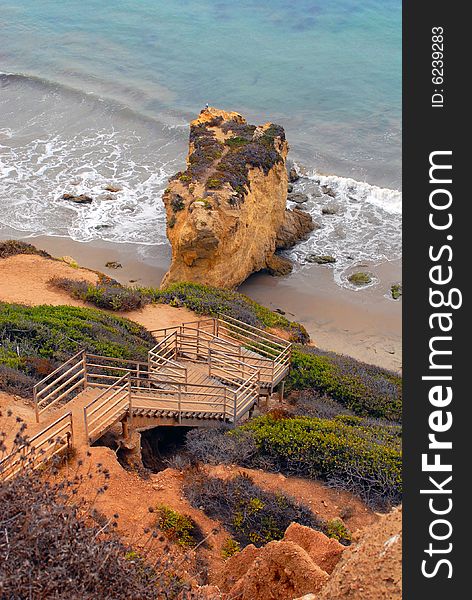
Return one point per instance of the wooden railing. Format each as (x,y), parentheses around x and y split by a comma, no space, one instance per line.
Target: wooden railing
(59,384)
(108,408)
(262,343)
(162,365)
(41,448)
(268,353)
(228,368)
(245,397)
(192,398)
(102,370)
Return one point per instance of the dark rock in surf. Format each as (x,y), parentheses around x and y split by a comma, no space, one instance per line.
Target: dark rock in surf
(293,176)
(78,199)
(299,198)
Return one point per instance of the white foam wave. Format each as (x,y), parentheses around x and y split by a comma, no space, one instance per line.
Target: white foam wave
(364,225)
(34,176)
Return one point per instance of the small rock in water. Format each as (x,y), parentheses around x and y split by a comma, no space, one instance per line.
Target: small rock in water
(112,187)
(317,193)
(290,188)
(113,265)
(293,175)
(328,191)
(396,291)
(330,209)
(78,199)
(299,198)
(360,279)
(320,259)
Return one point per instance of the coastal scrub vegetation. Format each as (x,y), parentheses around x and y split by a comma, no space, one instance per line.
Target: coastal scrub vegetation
(177,527)
(347,452)
(14,247)
(232,158)
(250,514)
(365,389)
(55,546)
(201,299)
(35,340)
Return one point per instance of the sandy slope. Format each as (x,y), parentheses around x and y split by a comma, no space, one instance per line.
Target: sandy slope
(24,279)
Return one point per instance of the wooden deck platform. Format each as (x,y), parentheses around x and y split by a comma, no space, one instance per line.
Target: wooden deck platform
(200,373)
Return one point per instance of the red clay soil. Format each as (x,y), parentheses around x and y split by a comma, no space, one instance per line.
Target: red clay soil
(372,568)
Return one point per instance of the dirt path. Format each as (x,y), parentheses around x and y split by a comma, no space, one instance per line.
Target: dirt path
(25,280)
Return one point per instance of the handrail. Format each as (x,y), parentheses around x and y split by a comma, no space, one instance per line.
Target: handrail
(19,458)
(122,384)
(260,332)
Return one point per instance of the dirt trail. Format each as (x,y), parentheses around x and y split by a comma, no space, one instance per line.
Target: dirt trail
(25,281)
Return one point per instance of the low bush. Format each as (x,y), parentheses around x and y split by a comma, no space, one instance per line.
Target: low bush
(343,451)
(211,301)
(347,452)
(336,529)
(35,340)
(252,515)
(230,548)
(51,547)
(14,247)
(362,388)
(177,527)
(106,294)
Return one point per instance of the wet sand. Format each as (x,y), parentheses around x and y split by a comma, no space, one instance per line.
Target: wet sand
(365,324)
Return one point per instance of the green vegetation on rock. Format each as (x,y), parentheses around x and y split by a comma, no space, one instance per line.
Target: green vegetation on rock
(396,291)
(360,278)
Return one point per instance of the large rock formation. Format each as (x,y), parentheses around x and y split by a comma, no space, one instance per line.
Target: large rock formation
(225,212)
(282,570)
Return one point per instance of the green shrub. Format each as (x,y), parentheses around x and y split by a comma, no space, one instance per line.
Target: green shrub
(365,389)
(213,183)
(34,340)
(13,247)
(365,459)
(107,294)
(230,548)
(252,515)
(336,529)
(176,527)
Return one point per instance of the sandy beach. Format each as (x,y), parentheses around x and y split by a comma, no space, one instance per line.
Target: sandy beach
(364,324)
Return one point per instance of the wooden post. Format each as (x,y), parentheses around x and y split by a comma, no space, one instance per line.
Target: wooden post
(35,400)
(84,362)
(281,391)
(180,403)
(86,427)
(125,430)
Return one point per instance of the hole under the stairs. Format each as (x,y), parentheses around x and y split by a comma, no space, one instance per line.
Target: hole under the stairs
(164,447)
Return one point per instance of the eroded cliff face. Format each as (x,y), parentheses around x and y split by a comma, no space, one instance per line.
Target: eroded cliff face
(225,211)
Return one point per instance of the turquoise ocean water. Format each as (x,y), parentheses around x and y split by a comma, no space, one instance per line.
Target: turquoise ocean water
(94,91)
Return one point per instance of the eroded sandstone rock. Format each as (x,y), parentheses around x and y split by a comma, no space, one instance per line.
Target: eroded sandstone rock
(224,213)
(296,226)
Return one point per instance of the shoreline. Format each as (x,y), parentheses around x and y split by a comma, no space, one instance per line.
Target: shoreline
(364,324)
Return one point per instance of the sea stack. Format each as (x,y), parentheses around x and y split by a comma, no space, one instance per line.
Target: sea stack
(225,211)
